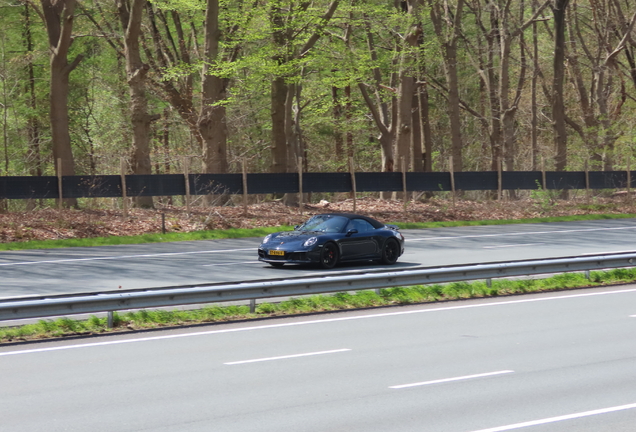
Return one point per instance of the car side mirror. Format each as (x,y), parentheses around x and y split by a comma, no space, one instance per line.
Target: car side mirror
(296,227)
(352,231)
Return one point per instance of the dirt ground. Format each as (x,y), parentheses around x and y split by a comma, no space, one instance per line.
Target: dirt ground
(50,223)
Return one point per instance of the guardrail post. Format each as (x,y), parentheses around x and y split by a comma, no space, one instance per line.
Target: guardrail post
(110,319)
(253,306)
(587,275)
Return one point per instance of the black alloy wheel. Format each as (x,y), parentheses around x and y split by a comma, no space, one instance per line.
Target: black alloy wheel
(390,252)
(329,255)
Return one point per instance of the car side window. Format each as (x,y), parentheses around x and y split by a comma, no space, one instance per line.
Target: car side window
(361,225)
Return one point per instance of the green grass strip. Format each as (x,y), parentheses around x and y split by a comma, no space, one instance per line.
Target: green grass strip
(150,319)
(261,232)
(144,238)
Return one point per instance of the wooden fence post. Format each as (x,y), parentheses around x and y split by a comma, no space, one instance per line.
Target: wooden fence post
(353,182)
(244,186)
(499,180)
(544,182)
(452,179)
(404,192)
(587,181)
(300,184)
(59,183)
(629,180)
(124,197)
(186,175)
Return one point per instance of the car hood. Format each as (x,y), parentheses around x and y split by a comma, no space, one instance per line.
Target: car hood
(290,237)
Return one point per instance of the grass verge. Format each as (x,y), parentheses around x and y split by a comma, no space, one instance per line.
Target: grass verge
(153,319)
(261,232)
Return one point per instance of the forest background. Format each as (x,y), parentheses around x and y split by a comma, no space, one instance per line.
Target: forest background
(530,84)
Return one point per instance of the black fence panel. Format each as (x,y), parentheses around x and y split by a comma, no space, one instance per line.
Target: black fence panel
(427,181)
(27,187)
(378,182)
(266,183)
(521,180)
(155,185)
(608,179)
(565,180)
(205,184)
(470,180)
(327,182)
(91,186)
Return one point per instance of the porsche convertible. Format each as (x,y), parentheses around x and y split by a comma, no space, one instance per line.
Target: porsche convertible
(331,238)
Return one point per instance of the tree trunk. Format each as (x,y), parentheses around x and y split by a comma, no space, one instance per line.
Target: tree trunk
(136,72)
(34,158)
(279,141)
(558,105)
(337,122)
(441,15)
(212,121)
(58,16)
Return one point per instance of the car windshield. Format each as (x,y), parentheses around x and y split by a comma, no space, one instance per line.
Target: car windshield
(324,223)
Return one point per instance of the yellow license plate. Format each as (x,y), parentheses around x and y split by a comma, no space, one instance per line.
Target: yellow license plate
(277,252)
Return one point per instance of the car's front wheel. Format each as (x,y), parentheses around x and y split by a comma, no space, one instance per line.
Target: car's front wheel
(329,255)
(390,252)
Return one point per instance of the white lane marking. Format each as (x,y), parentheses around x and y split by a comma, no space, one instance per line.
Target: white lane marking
(287,356)
(559,418)
(232,263)
(321,321)
(520,233)
(512,245)
(125,257)
(608,252)
(445,380)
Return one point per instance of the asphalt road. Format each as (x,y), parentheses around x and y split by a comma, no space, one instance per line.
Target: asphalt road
(72,270)
(541,363)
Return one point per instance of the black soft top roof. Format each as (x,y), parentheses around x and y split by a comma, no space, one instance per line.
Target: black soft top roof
(375,223)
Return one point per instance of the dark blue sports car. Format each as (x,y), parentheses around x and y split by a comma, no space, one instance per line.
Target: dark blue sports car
(328,239)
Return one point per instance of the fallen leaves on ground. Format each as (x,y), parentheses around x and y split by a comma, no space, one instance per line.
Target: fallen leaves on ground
(49,223)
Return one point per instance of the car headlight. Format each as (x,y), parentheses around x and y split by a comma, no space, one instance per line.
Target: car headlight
(267,238)
(310,241)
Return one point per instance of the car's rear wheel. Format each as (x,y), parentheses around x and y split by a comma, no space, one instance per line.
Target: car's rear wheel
(276,264)
(390,252)
(329,255)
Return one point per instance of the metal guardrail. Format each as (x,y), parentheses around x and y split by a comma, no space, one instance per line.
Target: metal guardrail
(40,307)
